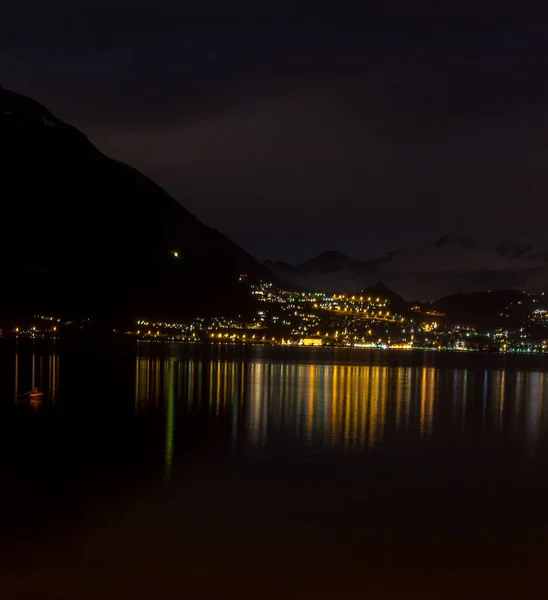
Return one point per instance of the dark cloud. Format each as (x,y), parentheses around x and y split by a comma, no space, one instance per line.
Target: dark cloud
(296,142)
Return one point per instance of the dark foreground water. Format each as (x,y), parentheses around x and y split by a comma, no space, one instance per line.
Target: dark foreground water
(167,471)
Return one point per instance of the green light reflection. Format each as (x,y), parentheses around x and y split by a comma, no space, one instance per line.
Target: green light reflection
(170,422)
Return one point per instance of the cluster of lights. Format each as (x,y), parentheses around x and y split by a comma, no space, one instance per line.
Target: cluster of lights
(290,318)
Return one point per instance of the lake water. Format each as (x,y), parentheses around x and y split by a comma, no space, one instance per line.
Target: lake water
(213,472)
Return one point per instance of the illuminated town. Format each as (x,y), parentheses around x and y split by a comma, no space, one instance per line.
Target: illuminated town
(284,317)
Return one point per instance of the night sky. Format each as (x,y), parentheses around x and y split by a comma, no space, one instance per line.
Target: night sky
(292,142)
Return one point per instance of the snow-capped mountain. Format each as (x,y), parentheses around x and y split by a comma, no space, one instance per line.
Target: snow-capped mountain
(448,265)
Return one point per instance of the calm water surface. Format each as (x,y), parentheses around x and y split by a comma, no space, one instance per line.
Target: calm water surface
(229,472)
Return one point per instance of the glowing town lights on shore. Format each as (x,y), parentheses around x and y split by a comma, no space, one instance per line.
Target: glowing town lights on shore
(302,323)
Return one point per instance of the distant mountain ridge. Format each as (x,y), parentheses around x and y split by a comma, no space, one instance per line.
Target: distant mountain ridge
(446,266)
(87,234)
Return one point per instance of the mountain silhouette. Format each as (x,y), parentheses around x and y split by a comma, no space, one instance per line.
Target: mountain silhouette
(85,234)
(450,264)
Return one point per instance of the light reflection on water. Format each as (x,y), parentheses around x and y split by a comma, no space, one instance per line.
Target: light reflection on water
(344,407)
(454,461)
(37,370)
(322,405)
